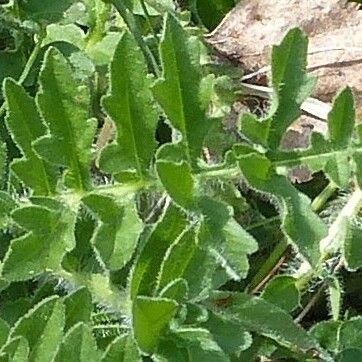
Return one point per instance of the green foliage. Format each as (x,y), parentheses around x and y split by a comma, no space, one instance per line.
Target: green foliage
(120,244)
(183,109)
(130,106)
(70,133)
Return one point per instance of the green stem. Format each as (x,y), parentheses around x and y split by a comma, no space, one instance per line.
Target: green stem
(148,19)
(282,246)
(229,173)
(131,23)
(263,273)
(264,222)
(324,196)
(332,242)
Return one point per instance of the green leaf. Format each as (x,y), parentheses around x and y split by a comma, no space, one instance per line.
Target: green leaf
(122,348)
(147,265)
(17,349)
(50,235)
(3,159)
(151,316)
(130,105)
(230,336)
(341,120)
(169,351)
(216,215)
(238,244)
(282,292)
(178,258)
(25,125)
(357,157)
(327,334)
(262,317)
(118,229)
(47,11)
(332,155)
(78,307)
(69,33)
(255,130)
(304,228)
(42,326)
(7,205)
(212,12)
(78,345)
(352,251)
(290,83)
(171,174)
(11,64)
(350,335)
(4,331)
(103,51)
(176,290)
(161,5)
(183,108)
(14,308)
(200,345)
(350,355)
(64,105)
(335,296)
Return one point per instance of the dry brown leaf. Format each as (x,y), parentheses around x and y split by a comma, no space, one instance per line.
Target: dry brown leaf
(335,42)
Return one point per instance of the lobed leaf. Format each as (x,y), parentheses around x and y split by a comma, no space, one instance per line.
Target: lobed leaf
(290,83)
(304,228)
(26,126)
(130,105)
(70,135)
(171,174)
(182,108)
(50,234)
(332,155)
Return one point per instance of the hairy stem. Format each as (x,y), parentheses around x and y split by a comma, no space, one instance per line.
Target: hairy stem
(323,197)
(331,243)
